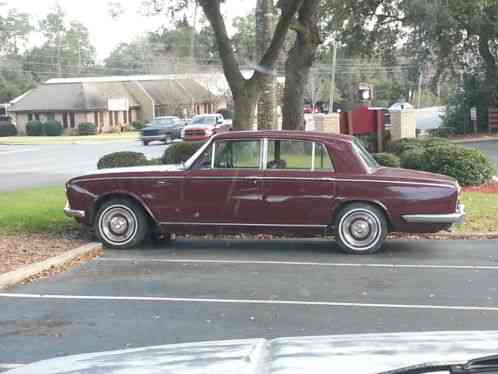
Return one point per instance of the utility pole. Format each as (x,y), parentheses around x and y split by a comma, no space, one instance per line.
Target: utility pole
(192,37)
(332,80)
(419,89)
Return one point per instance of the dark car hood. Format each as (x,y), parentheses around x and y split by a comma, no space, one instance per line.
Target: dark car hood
(352,354)
(159,127)
(413,175)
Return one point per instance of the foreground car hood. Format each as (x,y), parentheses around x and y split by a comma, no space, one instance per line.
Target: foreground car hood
(406,174)
(128,171)
(352,354)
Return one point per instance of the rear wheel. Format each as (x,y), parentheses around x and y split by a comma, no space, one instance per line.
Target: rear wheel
(361,229)
(121,224)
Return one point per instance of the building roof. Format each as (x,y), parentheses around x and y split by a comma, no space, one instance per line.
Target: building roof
(90,95)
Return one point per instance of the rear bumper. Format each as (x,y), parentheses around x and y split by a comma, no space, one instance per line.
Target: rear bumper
(454,218)
(72,212)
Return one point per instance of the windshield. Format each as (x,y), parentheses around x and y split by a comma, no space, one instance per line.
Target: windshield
(163,122)
(365,156)
(204,120)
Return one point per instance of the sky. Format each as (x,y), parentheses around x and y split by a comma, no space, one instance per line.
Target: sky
(107,32)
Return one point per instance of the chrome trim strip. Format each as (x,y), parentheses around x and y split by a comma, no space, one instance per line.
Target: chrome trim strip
(313,150)
(72,212)
(275,178)
(454,218)
(240,224)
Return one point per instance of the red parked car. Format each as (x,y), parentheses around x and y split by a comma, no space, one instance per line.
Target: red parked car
(204,126)
(293,183)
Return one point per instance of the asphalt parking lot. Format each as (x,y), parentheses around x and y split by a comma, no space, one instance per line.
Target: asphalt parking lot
(211,290)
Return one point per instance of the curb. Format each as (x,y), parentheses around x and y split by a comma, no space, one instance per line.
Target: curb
(16,276)
(476,140)
(447,236)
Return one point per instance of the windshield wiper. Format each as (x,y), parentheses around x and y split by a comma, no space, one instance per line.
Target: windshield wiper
(479,365)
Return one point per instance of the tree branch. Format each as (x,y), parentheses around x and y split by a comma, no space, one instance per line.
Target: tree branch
(230,65)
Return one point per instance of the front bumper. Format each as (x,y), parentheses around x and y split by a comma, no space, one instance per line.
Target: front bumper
(72,212)
(153,137)
(454,218)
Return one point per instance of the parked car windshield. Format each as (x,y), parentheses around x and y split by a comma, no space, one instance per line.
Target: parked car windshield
(204,120)
(362,152)
(163,122)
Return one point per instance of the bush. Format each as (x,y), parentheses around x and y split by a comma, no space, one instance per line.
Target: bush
(469,166)
(413,159)
(138,125)
(435,142)
(8,130)
(400,146)
(122,159)
(87,128)
(180,152)
(34,128)
(388,160)
(52,128)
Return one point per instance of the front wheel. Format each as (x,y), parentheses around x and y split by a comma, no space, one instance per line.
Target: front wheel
(361,229)
(121,224)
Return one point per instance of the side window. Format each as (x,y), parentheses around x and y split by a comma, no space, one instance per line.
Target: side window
(322,158)
(204,160)
(289,155)
(239,154)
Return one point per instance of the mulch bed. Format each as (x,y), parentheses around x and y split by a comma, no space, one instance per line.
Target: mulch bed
(485,188)
(20,250)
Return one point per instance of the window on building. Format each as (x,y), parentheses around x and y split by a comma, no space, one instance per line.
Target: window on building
(111,119)
(72,120)
(125,117)
(130,117)
(30,116)
(116,118)
(37,116)
(96,119)
(64,120)
(50,116)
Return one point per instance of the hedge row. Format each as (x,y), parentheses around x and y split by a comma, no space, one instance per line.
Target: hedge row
(49,128)
(8,130)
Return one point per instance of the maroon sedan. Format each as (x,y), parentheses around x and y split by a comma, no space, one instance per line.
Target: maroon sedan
(292,183)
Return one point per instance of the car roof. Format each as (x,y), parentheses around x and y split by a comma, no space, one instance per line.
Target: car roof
(285,134)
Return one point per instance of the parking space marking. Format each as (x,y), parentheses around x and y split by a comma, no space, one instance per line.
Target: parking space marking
(299,263)
(247,301)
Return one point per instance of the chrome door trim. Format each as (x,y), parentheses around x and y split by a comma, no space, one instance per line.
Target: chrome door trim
(242,224)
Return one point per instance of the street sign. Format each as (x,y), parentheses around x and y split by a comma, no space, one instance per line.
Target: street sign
(473,114)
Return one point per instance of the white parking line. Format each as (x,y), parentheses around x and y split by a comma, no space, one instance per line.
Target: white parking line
(248,301)
(294,263)
(10,366)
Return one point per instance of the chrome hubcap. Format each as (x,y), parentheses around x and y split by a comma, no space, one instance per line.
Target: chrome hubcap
(360,229)
(118,224)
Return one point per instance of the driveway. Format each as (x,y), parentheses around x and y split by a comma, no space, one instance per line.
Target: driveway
(27,166)
(490,148)
(210,290)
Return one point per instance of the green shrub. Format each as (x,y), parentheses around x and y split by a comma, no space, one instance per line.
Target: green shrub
(138,125)
(399,146)
(387,159)
(8,130)
(414,159)
(469,166)
(177,153)
(435,142)
(122,159)
(52,128)
(87,128)
(34,128)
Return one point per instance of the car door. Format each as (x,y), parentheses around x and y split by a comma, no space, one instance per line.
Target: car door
(224,186)
(298,187)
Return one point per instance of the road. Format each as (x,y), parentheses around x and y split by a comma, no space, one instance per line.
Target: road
(26,166)
(206,290)
(490,148)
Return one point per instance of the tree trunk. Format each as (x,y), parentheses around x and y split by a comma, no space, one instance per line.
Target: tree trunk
(268,97)
(489,86)
(245,108)
(298,65)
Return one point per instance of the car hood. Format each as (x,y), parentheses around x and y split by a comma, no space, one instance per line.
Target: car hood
(200,126)
(158,127)
(413,175)
(129,171)
(352,354)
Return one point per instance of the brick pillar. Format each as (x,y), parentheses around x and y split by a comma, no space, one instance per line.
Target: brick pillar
(403,124)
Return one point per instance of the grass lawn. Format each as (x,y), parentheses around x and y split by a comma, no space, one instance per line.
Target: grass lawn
(40,210)
(26,140)
(34,211)
(481,213)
